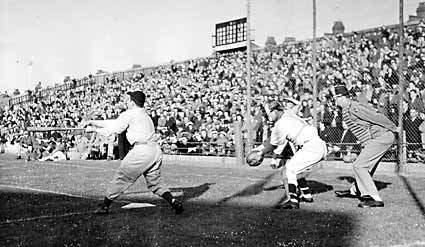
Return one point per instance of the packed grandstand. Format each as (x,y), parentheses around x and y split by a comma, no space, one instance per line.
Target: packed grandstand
(198,105)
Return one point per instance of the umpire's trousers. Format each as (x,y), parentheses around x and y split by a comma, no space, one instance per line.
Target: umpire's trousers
(366,163)
(142,159)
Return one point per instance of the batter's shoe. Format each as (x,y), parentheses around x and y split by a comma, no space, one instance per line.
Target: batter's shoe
(102,209)
(369,202)
(345,194)
(177,206)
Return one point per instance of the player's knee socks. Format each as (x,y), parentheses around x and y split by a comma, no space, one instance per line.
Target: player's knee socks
(303,186)
(292,191)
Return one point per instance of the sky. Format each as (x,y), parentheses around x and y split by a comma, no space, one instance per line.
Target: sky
(46,40)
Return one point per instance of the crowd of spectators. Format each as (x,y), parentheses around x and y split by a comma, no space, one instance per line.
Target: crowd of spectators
(198,105)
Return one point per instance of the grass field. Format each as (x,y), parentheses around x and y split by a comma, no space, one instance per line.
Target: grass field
(50,204)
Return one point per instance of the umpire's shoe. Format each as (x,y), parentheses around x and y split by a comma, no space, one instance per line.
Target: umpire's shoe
(346,194)
(369,202)
(177,206)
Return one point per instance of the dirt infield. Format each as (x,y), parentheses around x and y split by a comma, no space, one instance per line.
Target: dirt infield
(50,204)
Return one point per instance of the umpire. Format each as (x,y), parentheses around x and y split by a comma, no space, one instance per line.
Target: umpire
(375,133)
(144,158)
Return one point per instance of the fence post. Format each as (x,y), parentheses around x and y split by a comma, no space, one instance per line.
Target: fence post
(403,154)
(401,164)
(313,63)
(239,145)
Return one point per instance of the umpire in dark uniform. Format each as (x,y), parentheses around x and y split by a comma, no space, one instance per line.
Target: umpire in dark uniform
(375,132)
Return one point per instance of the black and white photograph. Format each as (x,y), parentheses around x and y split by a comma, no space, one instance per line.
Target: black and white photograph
(212,123)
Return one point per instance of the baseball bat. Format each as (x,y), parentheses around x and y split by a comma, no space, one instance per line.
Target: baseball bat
(43,129)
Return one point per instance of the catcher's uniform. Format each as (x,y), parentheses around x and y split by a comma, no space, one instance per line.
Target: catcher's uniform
(145,158)
(293,129)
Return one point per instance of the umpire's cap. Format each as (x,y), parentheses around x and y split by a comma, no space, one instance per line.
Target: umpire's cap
(276,106)
(138,97)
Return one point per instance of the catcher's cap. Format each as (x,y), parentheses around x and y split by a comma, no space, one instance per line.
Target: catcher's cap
(138,97)
(276,106)
(341,90)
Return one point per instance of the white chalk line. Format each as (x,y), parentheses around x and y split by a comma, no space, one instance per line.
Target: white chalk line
(55,215)
(46,191)
(45,216)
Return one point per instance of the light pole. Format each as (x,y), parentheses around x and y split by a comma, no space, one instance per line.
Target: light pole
(248,77)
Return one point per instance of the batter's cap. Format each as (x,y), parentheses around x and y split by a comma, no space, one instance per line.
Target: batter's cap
(138,97)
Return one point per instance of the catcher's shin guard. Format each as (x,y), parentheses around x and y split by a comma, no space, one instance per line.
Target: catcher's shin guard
(293,202)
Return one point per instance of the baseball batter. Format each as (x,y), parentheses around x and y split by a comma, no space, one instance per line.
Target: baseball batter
(145,157)
(290,128)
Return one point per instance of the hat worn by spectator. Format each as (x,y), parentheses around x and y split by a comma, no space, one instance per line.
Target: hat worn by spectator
(138,97)
(341,90)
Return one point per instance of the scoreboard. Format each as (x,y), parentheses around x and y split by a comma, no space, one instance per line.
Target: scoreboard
(230,35)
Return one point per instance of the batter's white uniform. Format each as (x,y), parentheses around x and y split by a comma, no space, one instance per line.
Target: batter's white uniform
(145,158)
(291,128)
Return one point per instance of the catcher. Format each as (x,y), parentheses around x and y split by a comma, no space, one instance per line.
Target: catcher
(289,128)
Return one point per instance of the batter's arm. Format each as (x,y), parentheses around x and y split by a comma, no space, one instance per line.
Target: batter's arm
(109,127)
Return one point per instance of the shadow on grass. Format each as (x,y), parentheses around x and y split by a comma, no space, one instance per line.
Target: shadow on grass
(202,224)
(251,190)
(192,192)
(412,192)
(379,184)
(315,186)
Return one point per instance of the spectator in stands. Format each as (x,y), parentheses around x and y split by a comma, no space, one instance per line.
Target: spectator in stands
(411,125)
(415,102)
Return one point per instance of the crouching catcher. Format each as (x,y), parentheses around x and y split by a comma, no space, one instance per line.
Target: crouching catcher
(289,128)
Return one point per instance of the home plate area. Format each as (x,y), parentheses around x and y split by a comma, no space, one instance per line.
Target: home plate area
(137,205)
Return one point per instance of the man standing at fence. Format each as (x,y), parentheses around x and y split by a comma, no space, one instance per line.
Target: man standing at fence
(375,133)
(144,158)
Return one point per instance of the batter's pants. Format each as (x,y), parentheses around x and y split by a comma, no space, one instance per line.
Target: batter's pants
(304,159)
(142,159)
(366,163)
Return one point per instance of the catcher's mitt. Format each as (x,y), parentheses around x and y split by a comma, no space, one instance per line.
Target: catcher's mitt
(254,158)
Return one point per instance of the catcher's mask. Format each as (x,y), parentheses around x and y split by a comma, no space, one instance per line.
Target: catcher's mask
(274,106)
